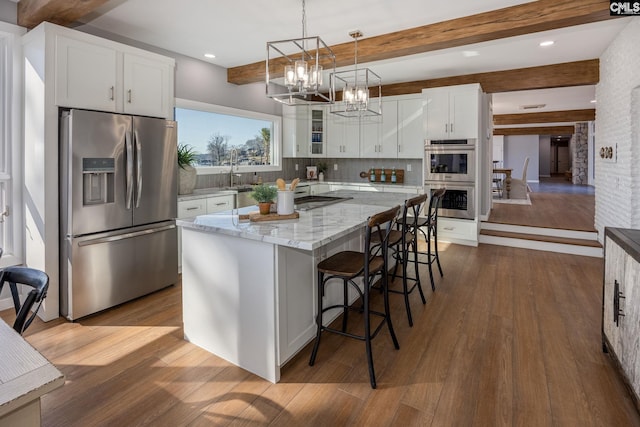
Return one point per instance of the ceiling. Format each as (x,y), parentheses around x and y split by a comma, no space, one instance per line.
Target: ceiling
(236,31)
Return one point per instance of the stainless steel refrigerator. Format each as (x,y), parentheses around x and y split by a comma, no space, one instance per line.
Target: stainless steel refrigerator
(118,186)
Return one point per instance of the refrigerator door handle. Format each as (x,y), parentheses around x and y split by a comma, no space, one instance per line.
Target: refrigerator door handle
(125,235)
(138,168)
(129,166)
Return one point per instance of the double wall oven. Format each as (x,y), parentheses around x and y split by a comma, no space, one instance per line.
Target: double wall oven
(452,164)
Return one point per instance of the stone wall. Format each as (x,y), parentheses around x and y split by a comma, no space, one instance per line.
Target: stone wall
(580,154)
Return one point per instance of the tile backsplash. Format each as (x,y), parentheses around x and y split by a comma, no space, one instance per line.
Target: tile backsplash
(348,170)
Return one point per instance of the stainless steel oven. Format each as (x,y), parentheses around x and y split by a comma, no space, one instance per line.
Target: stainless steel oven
(450,164)
(451,143)
(458,201)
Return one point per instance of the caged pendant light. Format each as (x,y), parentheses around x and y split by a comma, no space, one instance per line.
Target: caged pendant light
(361,89)
(294,69)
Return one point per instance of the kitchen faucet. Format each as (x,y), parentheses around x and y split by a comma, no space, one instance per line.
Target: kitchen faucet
(234,153)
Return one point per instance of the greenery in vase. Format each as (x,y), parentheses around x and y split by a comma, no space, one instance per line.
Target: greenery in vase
(322,167)
(264,193)
(186,155)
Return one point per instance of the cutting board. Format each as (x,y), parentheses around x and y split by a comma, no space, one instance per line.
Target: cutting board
(257,217)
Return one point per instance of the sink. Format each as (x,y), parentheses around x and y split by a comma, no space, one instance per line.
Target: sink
(307,203)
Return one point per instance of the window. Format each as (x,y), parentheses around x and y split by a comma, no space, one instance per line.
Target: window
(10,132)
(221,135)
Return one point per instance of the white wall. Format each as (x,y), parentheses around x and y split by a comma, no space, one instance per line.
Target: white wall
(516,149)
(618,126)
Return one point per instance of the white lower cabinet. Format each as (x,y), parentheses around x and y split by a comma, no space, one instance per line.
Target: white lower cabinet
(220,203)
(463,231)
(318,188)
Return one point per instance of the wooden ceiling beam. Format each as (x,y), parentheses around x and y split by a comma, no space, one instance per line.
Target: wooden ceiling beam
(61,12)
(545,117)
(577,73)
(542,130)
(541,15)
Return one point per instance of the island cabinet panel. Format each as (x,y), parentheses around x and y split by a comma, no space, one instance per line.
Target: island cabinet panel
(621,304)
(297,291)
(229,309)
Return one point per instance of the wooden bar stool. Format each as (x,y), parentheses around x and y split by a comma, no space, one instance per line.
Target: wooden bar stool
(403,241)
(349,265)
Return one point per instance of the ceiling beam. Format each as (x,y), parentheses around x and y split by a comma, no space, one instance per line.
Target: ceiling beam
(577,73)
(61,12)
(545,117)
(541,15)
(542,130)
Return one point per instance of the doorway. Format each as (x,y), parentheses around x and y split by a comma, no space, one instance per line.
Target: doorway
(559,155)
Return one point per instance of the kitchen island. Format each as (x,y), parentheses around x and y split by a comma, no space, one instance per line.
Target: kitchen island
(249,287)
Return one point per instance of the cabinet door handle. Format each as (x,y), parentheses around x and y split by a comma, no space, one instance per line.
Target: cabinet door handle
(446,127)
(617,295)
(111,93)
(451,127)
(129,96)
(193,208)
(221,204)
(448,228)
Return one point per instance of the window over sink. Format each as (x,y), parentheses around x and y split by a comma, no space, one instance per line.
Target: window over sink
(221,135)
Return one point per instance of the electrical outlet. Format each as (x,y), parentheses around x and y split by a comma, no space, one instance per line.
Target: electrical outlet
(296,166)
(335,166)
(408,167)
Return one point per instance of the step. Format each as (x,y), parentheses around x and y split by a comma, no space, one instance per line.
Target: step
(545,239)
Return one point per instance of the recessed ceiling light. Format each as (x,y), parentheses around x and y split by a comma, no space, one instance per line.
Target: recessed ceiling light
(209,55)
(470,53)
(593,101)
(547,43)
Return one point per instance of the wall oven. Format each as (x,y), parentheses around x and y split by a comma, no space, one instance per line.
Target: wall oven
(451,143)
(450,164)
(458,201)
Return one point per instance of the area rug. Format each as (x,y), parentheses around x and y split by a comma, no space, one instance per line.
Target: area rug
(526,201)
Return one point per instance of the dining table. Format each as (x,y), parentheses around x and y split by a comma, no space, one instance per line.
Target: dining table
(507,181)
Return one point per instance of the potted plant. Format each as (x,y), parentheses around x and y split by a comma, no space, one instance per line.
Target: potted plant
(322,168)
(264,195)
(187,173)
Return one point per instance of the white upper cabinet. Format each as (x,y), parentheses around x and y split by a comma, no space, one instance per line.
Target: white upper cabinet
(295,128)
(343,137)
(379,135)
(411,132)
(452,112)
(147,86)
(318,136)
(85,75)
(101,75)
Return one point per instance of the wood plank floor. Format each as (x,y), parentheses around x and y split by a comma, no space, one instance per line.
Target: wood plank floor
(510,337)
(552,210)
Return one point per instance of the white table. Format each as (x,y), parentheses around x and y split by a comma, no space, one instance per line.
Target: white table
(25,376)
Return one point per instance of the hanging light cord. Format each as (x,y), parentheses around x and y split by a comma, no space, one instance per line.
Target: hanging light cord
(304,20)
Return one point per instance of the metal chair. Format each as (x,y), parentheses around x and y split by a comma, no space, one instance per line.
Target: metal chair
(403,241)
(430,223)
(36,279)
(349,265)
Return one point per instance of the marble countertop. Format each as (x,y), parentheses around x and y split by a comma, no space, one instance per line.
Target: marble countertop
(314,229)
(214,191)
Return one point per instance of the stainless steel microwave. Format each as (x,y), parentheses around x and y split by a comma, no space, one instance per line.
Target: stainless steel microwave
(450,164)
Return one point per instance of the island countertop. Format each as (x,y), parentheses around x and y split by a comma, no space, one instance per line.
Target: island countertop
(313,229)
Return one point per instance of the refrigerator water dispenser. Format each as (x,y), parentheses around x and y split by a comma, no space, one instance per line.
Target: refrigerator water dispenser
(98,180)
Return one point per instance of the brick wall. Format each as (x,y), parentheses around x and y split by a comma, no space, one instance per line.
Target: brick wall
(617,180)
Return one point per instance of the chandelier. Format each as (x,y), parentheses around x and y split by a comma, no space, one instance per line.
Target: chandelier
(361,89)
(294,69)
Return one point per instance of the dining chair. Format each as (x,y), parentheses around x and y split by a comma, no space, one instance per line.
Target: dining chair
(347,266)
(35,279)
(519,187)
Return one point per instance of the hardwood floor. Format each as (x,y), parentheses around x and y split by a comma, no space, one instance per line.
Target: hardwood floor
(552,210)
(510,337)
